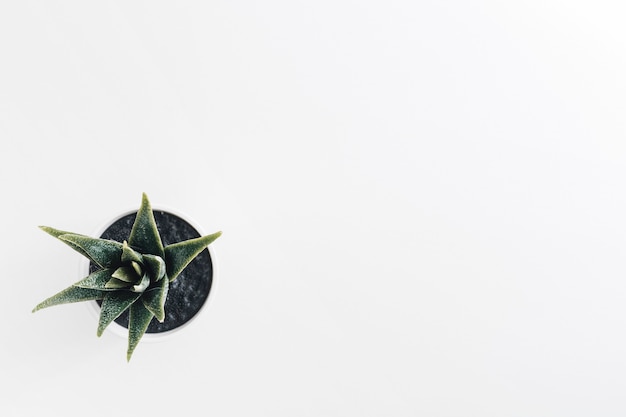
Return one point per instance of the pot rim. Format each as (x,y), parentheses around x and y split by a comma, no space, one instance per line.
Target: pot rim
(122,331)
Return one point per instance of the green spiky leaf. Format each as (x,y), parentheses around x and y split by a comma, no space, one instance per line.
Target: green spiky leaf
(129,254)
(137,268)
(116,284)
(106,253)
(126,274)
(57,233)
(178,255)
(143,284)
(154,299)
(114,304)
(155,265)
(138,322)
(144,235)
(96,280)
(71,295)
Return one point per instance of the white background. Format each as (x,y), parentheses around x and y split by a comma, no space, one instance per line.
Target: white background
(422,203)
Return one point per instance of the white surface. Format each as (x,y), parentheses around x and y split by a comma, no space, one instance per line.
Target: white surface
(423,203)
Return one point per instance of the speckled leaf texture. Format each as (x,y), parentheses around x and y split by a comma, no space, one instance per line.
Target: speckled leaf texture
(106,253)
(178,255)
(139,320)
(57,233)
(144,234)
(114,304)
(96,280)
(129,255)
(71,295)
(154,299)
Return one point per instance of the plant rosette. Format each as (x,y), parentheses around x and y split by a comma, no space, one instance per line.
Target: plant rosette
(188,295)
(148,272)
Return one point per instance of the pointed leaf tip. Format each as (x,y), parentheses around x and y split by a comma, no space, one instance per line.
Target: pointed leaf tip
(59,235)
(155,265)
(113,305)
(56,232)
(154,299)
(70,295)
(51,230)
(144,233)
(105,253)
(138,322)
(96,280)
(179,255)
(129,254)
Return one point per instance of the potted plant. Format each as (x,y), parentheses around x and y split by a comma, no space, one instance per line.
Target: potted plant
(145,272)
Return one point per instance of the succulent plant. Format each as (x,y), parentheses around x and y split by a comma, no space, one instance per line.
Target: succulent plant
(131,275)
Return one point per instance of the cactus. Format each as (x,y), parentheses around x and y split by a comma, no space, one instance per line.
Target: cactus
(131,275)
